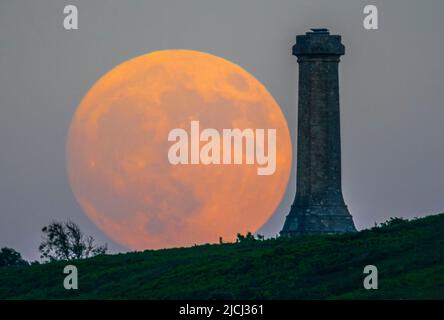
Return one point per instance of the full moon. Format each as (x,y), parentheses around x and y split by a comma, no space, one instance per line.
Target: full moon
(117,152)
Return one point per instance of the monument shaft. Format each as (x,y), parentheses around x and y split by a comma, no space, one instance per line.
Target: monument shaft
(319,205)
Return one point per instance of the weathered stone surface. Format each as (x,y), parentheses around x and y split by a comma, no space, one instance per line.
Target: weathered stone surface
(319,206)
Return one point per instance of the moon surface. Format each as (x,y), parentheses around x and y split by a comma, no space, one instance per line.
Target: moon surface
(117,152)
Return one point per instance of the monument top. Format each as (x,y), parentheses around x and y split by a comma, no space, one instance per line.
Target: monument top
(319,30)
(318,41)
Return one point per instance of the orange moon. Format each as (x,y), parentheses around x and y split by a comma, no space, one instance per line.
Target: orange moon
(117,152)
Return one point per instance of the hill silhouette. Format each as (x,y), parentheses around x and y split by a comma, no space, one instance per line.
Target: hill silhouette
(409,256)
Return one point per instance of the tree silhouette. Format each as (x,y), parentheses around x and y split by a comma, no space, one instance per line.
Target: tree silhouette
(10,257)
(247,238)
(65,241)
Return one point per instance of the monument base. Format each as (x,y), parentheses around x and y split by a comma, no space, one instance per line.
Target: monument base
(318,220)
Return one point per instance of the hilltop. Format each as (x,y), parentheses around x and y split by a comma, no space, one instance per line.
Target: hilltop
(409,256)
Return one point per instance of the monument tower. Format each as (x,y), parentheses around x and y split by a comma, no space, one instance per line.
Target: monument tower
(319,206)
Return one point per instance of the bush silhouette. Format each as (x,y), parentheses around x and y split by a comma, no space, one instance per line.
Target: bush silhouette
(10,257)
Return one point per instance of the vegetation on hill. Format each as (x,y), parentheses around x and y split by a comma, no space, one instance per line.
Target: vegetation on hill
(409,256)
(10,257)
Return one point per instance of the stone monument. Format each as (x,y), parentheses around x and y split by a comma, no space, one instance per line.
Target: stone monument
(319,205)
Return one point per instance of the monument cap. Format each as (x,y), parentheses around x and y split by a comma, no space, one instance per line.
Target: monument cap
(318,41)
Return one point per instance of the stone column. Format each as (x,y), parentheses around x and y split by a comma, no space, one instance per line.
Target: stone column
(319,205)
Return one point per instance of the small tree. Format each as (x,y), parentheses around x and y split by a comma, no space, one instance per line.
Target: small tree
(247,238)
(10,257)
(260,237)
(65,241)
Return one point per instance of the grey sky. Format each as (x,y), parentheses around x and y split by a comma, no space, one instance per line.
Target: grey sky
(391,87)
